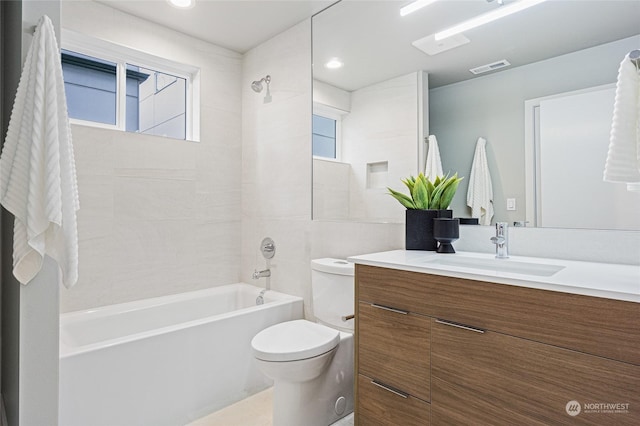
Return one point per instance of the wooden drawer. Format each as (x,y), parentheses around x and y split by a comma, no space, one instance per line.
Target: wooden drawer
(453,406)
(594,325)
(379,406)
(509,379)
(394,348)
(398,289)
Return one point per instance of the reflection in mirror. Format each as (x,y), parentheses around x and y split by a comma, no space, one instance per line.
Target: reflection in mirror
(576,50)
(353,169)
(571,192)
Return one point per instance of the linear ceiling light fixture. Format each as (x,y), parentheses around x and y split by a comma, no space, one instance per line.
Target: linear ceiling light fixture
(485,18)
(412,7)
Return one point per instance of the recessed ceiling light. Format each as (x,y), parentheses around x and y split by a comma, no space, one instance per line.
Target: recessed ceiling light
(413,6)
(334,63)
(181,4)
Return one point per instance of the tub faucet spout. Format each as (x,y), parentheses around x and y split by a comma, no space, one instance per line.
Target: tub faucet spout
(260,274)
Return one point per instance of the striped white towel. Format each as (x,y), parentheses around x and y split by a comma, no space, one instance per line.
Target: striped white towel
(37,168)
(480,192)
(433,166)
(623,158)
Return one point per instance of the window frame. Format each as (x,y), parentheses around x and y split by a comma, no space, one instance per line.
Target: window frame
(121,56)
(336,115)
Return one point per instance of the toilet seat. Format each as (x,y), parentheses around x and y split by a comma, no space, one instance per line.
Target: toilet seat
(294,340)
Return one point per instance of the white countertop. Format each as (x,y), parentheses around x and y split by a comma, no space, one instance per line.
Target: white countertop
(611,281)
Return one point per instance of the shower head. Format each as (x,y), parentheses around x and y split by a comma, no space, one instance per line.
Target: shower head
(257,85)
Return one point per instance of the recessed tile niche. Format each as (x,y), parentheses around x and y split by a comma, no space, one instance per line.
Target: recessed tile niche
(377,175)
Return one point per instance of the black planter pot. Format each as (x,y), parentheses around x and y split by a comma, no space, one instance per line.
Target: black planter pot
(419,228)
(446,231)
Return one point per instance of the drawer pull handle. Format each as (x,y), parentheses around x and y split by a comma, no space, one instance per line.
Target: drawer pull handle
(386,308)
(390,389)
(348,317)
(462,326)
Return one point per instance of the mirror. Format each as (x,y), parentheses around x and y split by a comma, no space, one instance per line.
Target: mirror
(553,47)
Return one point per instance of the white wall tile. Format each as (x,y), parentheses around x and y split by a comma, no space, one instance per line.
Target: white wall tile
(381,126)
(139,151)
(94,150)
(276,159)
(221,205)
(158,215)
(153,199)
(221,126)
(218,167)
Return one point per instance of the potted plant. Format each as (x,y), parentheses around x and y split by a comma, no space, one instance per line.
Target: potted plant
(426,201)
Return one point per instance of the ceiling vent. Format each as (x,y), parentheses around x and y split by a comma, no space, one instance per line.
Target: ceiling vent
(490,67)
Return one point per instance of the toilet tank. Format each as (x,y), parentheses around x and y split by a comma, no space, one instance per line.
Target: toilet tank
(332,287)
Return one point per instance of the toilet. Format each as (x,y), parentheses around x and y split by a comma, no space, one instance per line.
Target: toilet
(311,363)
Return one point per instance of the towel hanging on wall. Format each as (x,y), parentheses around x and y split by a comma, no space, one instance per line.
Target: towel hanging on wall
(480,192)
(623,158)
(37,168)
(433,165)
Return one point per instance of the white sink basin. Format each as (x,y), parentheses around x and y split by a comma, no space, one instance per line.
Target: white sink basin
(497,265)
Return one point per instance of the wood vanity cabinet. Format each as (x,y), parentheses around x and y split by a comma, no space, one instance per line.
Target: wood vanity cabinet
(440,350)
(393,358)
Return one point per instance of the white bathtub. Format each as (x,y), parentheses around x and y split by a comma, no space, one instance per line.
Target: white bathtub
(165,361)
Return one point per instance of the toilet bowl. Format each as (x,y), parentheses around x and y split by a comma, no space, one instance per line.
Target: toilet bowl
(311,363)
(295,351)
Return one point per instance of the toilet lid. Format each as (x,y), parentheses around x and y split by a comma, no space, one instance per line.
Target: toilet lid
(294,340)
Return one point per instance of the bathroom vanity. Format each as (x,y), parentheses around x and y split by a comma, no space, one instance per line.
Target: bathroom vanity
(460,339)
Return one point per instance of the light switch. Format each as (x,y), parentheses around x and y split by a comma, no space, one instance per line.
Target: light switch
(511,203)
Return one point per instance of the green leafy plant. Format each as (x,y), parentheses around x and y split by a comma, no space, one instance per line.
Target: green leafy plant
(427,195)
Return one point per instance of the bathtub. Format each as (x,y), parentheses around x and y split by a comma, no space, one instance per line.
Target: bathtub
(167,360)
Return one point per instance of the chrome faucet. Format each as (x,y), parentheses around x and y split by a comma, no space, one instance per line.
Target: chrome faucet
(501,240)
(268,249)
(260,274)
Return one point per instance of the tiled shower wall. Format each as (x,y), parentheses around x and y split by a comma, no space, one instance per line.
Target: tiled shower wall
(276,173)
(276,159)
(158,216)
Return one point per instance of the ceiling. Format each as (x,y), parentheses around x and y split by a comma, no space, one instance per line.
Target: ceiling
(238,25)
(374,41)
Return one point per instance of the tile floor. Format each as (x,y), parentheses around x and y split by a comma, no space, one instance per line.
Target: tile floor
(252,411)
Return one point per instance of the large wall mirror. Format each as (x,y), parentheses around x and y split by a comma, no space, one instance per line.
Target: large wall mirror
(382,84)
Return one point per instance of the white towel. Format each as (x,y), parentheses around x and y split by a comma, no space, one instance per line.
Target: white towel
(433,165)
(480,193)
(623,158)
(37,169)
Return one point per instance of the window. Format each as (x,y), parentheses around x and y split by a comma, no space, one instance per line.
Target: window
(157,104)
(90,86)
(324,137)
(116,87)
